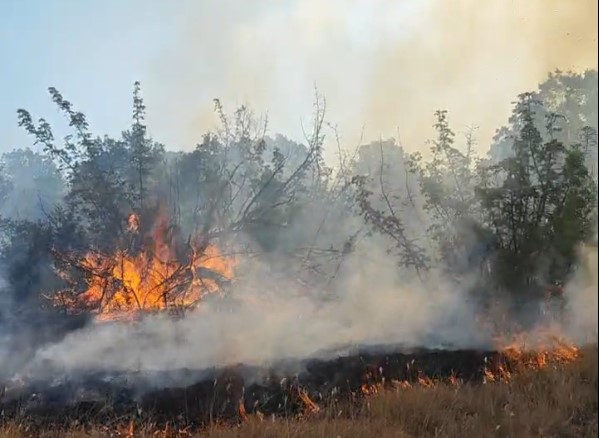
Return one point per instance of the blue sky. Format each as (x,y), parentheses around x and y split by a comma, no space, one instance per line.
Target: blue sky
(92,51)
(383,66)
(268,53)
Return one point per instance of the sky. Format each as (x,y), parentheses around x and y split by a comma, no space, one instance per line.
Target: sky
(384,67)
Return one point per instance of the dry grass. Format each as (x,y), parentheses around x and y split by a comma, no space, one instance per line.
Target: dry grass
(553,402)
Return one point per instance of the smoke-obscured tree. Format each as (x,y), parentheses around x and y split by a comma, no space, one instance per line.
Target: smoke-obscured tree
(574,97)
(239,181)
(539,204)
(587,141)
(447,186)
(232,185)
(388,168)
(5,184)
(386,206)
(30,186)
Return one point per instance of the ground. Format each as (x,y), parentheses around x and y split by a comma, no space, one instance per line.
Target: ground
(557,401)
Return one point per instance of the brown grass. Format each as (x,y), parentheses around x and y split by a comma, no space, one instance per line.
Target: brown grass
(553,402)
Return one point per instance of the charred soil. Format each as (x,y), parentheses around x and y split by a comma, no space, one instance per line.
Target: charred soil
(390,391)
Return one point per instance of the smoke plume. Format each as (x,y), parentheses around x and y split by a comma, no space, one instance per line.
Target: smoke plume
(383,66)
(269,320)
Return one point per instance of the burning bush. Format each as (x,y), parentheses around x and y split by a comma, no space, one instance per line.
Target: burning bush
(157,276)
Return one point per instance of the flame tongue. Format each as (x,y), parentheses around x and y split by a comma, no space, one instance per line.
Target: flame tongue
(121,285)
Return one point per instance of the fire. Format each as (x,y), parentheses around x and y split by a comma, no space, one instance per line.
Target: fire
(532,350)
(523,351)
(309,404)
(156,278)
(539,347)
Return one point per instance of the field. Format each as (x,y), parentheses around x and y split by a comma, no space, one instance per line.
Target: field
(553,401)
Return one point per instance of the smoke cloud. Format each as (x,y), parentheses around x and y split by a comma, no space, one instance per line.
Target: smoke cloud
(270,320)
(383,66)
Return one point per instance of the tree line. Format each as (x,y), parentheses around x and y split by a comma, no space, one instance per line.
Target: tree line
(509,221)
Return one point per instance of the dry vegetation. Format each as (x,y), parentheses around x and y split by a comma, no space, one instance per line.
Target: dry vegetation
(551,402)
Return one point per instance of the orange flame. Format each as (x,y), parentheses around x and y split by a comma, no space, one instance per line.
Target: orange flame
(123,284)
(309,404)
(533,350)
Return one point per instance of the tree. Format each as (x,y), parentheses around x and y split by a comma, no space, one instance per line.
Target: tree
(538,203)
(383,206)
(5,185)
(225,187)
(447,185)
(574,97)
(509,224)
(144,153)
(106,178)
(30,186)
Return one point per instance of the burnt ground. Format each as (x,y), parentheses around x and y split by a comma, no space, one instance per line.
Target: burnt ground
(196,397)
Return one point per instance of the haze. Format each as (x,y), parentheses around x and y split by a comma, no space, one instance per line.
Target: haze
(383,66)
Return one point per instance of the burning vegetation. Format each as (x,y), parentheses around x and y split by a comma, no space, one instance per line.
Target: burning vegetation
(240,393)
(155,277)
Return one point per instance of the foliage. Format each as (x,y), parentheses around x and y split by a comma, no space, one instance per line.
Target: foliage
(446,182)
(574,97)
(513,222)
(539,203)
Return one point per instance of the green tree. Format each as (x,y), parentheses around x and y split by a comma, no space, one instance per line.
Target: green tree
(538,203)
(144,154)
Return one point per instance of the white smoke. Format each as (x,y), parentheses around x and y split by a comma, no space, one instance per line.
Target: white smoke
(273,320)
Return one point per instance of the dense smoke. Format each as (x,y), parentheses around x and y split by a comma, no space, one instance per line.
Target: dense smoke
(376,248)
(269,319)
(273,320)
(582,297)
(384,66)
